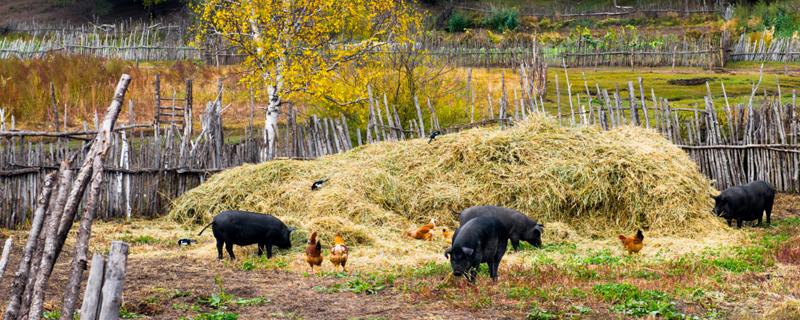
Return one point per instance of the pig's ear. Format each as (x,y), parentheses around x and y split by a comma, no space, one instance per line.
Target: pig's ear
(468,251)
(447,253)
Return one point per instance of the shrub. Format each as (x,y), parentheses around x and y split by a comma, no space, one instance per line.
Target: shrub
(458,22)
(502,19)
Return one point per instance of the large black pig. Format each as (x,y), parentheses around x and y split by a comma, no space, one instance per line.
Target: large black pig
(745,203)
(480,240)
(245,228)
(519,226)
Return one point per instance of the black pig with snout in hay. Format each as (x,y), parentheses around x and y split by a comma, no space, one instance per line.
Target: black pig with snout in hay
(481,240)
(745,203)
(245,228)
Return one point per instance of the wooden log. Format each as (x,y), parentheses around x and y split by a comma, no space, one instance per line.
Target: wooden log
(54,106)
(434,118)
(558,101)
(419,118)
(644,104)
(51,233)
(114,281)
(22,274)
(4,257)
(90,307)
(569,92)
(79,260)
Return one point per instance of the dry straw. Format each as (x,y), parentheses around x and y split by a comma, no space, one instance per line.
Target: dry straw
(596,182)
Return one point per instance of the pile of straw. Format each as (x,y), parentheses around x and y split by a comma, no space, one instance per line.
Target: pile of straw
(596,182)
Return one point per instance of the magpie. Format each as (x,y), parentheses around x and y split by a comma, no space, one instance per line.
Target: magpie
(318,184)
(186,242)
(434,135)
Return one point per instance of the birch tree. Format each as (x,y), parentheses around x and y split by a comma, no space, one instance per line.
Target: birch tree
(290,45)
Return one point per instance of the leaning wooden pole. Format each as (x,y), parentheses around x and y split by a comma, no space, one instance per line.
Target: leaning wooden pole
(23,271)
(101,145)
(49,252)
(4,257)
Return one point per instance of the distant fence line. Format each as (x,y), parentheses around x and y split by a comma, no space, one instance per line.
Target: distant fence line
(156,42)
(608,9)
(162,42)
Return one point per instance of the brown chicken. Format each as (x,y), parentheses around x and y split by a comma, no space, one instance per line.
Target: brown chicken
(314,252)
(447,235)
(424,232)
(633,244)
(339,253)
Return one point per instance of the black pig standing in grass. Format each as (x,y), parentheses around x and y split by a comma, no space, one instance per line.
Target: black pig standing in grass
(245,228)
(745,203)
(482,239)
(519,226)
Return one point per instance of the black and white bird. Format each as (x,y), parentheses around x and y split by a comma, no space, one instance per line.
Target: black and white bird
(186,242)
(318,184)
(434,135)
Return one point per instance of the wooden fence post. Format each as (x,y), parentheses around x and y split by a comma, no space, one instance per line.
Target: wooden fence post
(91,297)
(114,281)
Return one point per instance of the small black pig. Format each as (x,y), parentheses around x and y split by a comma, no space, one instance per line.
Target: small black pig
(519,226)
(482,239)
(745,203)
(245,228)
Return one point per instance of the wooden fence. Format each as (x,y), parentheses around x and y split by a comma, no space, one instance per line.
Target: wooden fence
(606,9)
(779,50)
(731,144)
(155,42)
(150,164)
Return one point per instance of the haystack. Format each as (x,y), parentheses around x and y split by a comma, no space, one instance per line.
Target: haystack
(596,182)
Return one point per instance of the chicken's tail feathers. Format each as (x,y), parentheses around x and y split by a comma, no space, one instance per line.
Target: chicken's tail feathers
(337,240)
(639,235)
(621,237)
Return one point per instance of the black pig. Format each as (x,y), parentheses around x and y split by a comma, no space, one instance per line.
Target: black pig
(482,239)
(745,203)
(245,228)
(519,226)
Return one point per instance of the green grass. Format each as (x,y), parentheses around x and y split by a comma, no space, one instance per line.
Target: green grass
(631,301)
(361,283)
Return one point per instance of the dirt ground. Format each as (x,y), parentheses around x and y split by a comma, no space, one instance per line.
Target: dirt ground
(165,281)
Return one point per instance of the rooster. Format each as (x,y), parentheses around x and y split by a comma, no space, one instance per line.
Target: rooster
(447,235)
(424,232)
(314,252)
(633,244)
(339,253)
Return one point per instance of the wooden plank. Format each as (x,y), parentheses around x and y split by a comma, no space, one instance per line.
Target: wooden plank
(114,281)
(90,307)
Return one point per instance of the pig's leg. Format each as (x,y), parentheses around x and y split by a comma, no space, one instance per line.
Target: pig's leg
(515,243)
(769,210)
(739,223)
(219,249)
(730,222)
(260,249)
(229,248)
(269,250)
(493,270)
